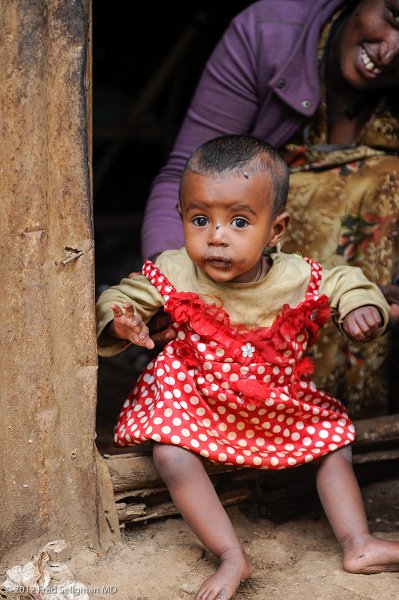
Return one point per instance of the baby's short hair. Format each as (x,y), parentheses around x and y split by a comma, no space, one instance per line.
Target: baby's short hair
(244,155)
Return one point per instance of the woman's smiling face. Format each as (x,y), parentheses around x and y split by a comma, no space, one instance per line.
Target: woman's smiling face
(228,221)
(369,45)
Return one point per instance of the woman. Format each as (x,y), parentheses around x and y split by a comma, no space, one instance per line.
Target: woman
(319,81)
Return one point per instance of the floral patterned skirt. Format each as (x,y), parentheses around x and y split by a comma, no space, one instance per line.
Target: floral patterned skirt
(344,208)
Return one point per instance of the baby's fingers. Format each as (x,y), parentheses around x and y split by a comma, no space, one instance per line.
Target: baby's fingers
(129,310)
(373,318)
(353,330)
(118,312)
(365,328)
(126,311)
(128,326)
(141,337)
(362,323)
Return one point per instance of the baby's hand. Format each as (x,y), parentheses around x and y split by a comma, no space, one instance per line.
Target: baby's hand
(128,327)
(361,324)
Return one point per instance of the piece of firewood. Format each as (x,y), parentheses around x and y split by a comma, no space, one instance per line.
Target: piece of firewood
(133,513)
(137,471)
(377,432)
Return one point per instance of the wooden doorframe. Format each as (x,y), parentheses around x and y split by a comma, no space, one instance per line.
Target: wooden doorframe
(53,484)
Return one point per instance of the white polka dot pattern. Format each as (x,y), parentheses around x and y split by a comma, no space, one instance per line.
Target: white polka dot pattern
(255,408)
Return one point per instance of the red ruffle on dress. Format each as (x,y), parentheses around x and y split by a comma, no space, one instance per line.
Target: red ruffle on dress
(236,396)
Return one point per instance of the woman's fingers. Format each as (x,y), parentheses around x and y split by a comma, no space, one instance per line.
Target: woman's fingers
(161,330)
(161,338)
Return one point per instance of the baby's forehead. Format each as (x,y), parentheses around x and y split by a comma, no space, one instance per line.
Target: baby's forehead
(216,177)
(221,190)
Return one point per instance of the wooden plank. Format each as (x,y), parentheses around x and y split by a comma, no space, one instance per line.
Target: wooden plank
(133,471)
(376,456)
(377,432)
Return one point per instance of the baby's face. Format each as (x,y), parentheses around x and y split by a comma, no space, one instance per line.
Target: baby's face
(228,222)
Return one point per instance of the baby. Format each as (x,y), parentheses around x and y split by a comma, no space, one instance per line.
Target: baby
(234,386)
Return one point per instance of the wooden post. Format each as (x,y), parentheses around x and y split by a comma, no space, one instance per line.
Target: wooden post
(49,483)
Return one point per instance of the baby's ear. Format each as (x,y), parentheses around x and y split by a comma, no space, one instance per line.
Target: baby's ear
(178,208)
(279,227)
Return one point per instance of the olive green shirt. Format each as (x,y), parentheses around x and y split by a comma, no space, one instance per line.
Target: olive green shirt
(250,304)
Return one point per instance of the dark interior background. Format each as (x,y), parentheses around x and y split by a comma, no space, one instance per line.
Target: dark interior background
(147,59)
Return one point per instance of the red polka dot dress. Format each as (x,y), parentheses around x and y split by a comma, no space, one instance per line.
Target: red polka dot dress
(236,396)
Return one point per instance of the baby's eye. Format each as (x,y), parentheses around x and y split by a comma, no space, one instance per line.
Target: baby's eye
(200,221)
(240,222)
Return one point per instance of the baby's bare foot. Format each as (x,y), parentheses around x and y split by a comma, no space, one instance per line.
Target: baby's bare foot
(371,555)
(222,585)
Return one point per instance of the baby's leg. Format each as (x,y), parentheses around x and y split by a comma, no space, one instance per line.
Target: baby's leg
(195,497)
(342,501)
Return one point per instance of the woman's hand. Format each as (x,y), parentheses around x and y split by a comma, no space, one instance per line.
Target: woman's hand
(160,329)
(391,293)
(127,326)
(361,324)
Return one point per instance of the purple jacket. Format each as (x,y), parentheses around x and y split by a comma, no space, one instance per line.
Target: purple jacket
(262,79)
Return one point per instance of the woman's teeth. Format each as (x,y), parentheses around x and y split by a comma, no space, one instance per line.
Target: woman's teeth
(368,63)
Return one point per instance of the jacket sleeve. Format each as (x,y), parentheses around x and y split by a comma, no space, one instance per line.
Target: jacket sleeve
(146,301)
(225,102)
(348,288)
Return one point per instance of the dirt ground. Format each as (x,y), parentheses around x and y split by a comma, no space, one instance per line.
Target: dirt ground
(294,559)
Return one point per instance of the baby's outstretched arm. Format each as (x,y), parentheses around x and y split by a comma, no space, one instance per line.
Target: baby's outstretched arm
(362,324)
(127,326)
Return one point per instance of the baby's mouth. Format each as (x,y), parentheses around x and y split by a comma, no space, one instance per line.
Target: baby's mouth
(369,64)
(218,261)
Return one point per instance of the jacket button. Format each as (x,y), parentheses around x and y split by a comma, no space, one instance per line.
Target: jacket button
(281,84)
(305,103)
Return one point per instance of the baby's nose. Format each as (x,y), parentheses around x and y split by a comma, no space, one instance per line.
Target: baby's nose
(217,235)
